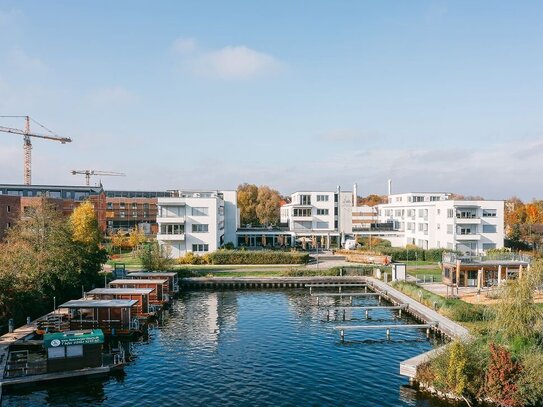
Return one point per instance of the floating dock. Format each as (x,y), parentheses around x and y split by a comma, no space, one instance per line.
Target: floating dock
(265,282)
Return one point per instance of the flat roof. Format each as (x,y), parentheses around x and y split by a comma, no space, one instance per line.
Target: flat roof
(153,273)
(140,281)
(99,304)
(121,291)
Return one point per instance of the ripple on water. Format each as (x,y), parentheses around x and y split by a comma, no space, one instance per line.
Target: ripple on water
(254,348)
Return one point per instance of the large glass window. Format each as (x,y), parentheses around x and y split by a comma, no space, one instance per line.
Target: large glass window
(305,199)
(489,228)
(172,229)
(202,211)
(200,247)
(322,198)
(322,212)
(200,228)
(306,212)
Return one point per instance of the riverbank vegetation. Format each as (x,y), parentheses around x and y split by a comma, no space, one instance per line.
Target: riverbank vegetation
(47,256)
(504,363)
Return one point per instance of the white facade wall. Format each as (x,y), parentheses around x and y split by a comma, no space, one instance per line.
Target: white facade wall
(432,221)
(318,212)
(197,222)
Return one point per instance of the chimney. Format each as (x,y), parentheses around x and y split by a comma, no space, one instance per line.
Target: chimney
(389,187)
(355,195)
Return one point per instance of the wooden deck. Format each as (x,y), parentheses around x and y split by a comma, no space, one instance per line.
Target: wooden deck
(91,371)
(266,282)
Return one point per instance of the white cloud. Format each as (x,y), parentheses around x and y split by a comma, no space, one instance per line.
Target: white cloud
(114,95)
(184,46)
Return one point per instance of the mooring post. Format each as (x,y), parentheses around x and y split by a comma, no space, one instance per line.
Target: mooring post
(367,314)
(11,325)
(28,320)
(351,300)
(328,314)
(310,290)
(379,299)
(388,333)
(344,314)
(366,289)
(318,300)
(342,335)
(400,313)
(428,332)
(339,288)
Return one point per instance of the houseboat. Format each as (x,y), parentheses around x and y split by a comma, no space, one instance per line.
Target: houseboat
(141,295)
(173,278)
(31,358)
(159,296)
(114,317)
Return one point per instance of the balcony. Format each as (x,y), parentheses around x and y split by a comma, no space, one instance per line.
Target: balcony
(171,219)
(468,236)
(163,236)
(468,221)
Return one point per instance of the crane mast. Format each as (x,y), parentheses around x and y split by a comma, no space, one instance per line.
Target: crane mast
(27,144)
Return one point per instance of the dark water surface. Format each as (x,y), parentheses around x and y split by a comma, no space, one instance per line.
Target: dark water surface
(253,348)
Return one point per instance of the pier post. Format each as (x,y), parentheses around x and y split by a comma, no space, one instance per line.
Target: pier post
(351,300)
(342,335)
(367,314)
(339,288)
(388,333)
(379,299)
(366,289)
(318,300)
(344,314)
(11,326)
(400,313)
(428,332)
(328,314)
(28,320)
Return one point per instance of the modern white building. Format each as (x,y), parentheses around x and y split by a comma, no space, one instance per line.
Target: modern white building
(197,221)
(324,218)
(432,220)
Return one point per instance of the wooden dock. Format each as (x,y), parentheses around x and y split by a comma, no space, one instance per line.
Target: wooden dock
(265,282)
(91,371)
(340,285)
(347,294)
(387,328)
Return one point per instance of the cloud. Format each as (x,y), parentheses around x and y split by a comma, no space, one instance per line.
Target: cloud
(184,46)
(349,135)
(232,62)
(114,95)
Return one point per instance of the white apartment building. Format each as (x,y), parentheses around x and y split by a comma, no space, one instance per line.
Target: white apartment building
(197,221)
(323,217)
(432,220)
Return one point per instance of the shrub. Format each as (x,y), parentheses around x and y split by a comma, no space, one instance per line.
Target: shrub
(530,385)
(154,259)
(192,258)
(257,257)
(501,377)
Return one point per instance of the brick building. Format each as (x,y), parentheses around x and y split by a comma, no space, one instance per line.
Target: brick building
(10,210)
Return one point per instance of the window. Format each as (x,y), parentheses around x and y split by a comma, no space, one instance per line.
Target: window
(134,205)
(145,214)
(467,230)
(322,211)
(56,353)
(489,213)
(145,206)
(134,214)
(172,229)
(489,228)
(122,214)
(8,209)
(202,211)
(305,199)
(200,247)
(322,198)
(450,213)
(322,225)
(122,205)
(439,211)
(489,246)
(110,205)
(449,229)
(200,228)
(398,212)
(302,212)
(74,351)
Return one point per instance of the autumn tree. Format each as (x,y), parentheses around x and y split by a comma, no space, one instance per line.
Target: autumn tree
(502,376)
(268,204)
(135,239)
(247,202)
(118,240)
(372,200)
(85,224)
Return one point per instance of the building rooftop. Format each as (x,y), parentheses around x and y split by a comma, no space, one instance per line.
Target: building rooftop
(99,304)
(135,291)
(140,281)
(152,273)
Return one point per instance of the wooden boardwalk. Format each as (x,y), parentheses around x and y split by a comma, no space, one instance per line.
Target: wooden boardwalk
(347,294)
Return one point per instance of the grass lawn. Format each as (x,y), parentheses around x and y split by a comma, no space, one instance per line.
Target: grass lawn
(420,263)
(429,273)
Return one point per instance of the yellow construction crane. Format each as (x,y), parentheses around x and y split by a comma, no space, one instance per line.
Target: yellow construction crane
(88,173)
(27,144)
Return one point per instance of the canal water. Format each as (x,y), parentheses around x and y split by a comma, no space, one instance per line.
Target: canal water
(253,348)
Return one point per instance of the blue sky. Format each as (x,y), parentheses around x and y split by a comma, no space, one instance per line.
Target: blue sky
(437,95)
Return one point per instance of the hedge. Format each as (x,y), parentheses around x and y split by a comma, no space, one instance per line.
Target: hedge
(402,254)
(257,257)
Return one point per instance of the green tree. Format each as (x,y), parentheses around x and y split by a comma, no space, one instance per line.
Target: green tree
(247,202)
(268,205)
(155,258)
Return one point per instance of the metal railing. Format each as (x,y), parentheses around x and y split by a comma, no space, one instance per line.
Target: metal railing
(453,258)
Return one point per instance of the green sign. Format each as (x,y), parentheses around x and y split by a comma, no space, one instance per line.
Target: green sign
(57,339)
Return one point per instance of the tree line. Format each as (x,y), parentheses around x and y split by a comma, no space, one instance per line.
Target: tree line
(522,223)
(46,256)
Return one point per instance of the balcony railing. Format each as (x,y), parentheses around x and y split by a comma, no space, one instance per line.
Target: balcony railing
(453,257)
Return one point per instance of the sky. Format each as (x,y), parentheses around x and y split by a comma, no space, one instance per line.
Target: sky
(436,95)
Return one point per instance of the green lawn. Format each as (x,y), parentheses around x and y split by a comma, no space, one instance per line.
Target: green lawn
(429,273)
(419,263)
